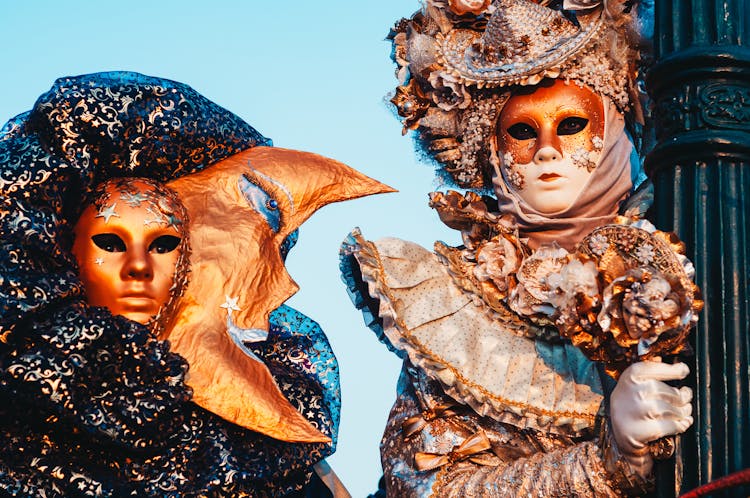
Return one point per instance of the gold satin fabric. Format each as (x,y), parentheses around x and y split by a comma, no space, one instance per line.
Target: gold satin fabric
(236,255)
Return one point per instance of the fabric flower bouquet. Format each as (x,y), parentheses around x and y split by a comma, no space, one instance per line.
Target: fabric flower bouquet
(625,294)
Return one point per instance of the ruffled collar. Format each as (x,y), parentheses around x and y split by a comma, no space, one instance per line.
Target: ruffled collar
(480,361)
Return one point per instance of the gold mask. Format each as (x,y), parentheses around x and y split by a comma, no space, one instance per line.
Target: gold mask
(549,141)
(128,243)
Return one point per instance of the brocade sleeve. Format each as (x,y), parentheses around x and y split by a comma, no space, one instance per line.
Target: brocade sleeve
(427,428)
(573,471)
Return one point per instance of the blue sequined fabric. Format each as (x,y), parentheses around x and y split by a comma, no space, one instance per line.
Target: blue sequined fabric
(94,405)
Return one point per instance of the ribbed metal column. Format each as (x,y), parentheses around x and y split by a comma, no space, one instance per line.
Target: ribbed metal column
(701,169)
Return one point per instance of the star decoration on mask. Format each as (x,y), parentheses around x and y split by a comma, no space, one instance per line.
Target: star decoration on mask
(133,200)
(107,213)
(174,222)
(230,304)
(99,261)
(157,217)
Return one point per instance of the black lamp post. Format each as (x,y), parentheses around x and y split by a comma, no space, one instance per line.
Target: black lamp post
(701,169)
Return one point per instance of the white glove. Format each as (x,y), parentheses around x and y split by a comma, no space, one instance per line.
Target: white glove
(643,408)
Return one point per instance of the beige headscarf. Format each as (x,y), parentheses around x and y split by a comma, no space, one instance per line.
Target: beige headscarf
(596,205)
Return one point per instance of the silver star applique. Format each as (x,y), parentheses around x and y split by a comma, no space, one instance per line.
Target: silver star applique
(157,217)
(107,213)
(174,222)
(230,304)
(133,200)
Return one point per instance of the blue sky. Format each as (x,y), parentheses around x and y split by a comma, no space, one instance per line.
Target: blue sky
(311,76)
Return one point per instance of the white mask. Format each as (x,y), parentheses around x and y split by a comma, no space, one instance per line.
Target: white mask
(549,142)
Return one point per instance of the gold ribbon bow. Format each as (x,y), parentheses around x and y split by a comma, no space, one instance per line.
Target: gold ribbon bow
(471,446)
(413,425)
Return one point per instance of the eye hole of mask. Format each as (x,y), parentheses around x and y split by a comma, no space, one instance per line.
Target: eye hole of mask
(572,125)
(261,201)
(164,244)
(109,242)
(522,131)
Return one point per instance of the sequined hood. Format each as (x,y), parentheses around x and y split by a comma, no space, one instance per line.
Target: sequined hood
(101,406)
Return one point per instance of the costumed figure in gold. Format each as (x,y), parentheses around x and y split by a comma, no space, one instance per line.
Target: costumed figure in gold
(143,337)
(532,353)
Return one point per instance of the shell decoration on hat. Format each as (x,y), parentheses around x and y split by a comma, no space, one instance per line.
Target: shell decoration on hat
(458,60)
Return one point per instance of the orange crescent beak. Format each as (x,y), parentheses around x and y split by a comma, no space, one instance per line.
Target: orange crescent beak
(236,254)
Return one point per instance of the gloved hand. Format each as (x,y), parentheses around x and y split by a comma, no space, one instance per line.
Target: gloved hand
(643,408)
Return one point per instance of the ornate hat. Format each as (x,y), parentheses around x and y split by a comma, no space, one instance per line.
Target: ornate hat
(523,43)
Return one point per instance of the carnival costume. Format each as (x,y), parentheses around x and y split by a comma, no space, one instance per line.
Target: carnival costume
(498,395)
(95,404)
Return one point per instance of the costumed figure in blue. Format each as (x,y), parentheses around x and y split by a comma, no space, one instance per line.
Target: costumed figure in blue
(95,402)
(532,351)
